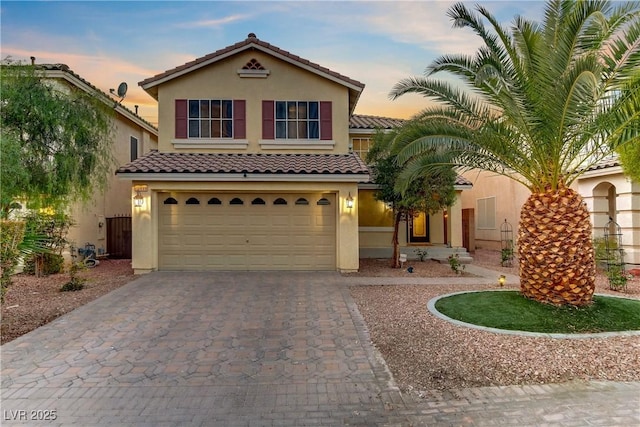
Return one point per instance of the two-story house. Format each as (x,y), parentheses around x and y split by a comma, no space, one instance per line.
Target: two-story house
(256,168)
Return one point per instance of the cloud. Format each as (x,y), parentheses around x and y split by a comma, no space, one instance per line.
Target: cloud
(426,24)
(423,24)
(215,23)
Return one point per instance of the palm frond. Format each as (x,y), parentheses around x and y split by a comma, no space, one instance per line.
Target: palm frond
(542,101)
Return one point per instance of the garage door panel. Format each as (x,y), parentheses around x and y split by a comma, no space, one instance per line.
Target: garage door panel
(247,237)
(280,220)
(259,221)
(232,220)
(216,219)
(301,221)
(192,261)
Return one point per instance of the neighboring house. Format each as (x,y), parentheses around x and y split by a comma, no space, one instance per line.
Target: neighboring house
(258,167)
(105,220)
(608,193)
(493,201)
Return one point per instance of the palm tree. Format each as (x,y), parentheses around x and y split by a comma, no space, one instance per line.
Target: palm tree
(540,103)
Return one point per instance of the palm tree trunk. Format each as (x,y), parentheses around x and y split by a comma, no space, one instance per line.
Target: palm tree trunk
(555,249)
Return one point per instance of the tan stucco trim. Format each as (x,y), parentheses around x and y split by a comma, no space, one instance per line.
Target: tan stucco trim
(297,144)
(455,221)
(234,144)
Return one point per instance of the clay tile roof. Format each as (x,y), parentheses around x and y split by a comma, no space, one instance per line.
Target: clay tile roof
(64,68)
(358,121)
(250,41)
(223,163)
(460,180)
(606,163)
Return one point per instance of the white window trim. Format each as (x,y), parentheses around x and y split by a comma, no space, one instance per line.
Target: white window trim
(298,144)
(211,143)
(260,74)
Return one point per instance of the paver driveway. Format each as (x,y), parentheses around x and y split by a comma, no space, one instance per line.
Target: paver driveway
(203,348)
(253,349)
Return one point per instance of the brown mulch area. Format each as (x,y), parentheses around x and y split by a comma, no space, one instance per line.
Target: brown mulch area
(32,301)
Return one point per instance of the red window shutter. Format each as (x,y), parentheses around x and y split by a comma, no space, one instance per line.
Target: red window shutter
(326,125)
(268,120)
(181,118)
(239,119)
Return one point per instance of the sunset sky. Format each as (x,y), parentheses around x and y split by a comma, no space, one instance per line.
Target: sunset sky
(376,43)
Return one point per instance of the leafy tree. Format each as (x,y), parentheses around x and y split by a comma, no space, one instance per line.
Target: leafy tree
(429,193)
(539,103)
(629,155)
(55,139)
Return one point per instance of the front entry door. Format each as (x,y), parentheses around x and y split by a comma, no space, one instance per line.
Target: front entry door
(418,228)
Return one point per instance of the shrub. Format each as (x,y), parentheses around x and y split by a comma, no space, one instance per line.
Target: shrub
(75,284)
(11,235)
(422,254)
(454,263)
(52,230)
(49,264)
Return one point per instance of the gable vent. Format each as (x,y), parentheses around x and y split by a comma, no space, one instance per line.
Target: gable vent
(253,69)
(253,65)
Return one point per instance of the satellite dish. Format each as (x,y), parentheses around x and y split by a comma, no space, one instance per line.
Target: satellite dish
(122,90)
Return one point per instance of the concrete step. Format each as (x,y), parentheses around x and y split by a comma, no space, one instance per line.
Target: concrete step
(445,260)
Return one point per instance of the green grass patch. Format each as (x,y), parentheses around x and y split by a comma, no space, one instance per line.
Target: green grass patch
(510,310)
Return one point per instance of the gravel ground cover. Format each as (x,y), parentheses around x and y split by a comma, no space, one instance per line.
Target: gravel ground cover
(427,354)
(32,301)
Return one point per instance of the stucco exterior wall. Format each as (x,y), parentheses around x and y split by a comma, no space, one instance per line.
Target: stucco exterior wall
(90,217)
(284,83)
(509,197)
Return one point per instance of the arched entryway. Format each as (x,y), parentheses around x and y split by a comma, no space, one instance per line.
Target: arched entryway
(604,204)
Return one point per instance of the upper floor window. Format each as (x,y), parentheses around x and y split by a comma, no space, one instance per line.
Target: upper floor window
(210,118)
(297,120)
(133,148)
(302,120)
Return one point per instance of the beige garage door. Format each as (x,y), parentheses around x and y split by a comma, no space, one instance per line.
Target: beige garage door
(209,231)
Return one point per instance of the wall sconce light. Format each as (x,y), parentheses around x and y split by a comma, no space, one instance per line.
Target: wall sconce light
(138,199)
(349,201)
(502,279)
